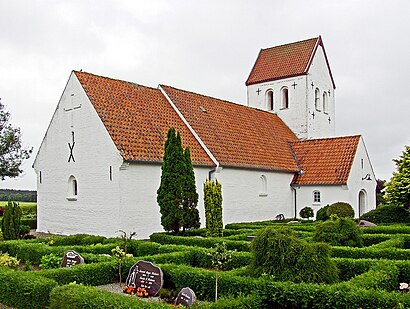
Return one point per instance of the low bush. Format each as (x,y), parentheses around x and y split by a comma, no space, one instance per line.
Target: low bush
(277,252)
(8,261)
(321,214)
(306,213)
(25,289)
(372,239)
(208,242)
(29,221)
(387,214)
(338,232)
(79,296)
(340,209)
(50,261)
(75,240)
(371,253)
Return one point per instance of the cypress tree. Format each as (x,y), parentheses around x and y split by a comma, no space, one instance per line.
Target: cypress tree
(190,213)
(176,195)
(213,208)
(10,225)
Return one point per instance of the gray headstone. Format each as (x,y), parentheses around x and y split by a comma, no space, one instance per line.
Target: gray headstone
(249,238)
(186,297)
(71,258)
(293,222)
(364,223)
(146,275)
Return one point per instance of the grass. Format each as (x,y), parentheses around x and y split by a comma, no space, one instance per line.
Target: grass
(26,207)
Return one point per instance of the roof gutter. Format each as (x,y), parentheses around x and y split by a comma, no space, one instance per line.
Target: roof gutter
(208,152)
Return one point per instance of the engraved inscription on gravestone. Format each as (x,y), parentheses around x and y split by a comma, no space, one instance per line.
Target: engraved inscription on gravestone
(71,258)
(186,297)
(146,275)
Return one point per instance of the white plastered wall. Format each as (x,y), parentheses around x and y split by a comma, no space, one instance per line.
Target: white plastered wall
(95,209)
(319,75)
(244,201)
(139,210)
(347,193)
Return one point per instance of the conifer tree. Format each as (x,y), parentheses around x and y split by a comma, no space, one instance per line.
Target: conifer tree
(190,213)
(177,196)
(398,188)
(10,225)
(213,208)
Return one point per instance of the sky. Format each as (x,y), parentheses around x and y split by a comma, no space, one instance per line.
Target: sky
(208,47)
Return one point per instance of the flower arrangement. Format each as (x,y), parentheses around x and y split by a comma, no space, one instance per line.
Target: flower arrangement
(129,289)
(142,292)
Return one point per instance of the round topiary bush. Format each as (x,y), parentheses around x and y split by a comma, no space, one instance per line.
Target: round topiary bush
(340,209)
(306,213)
(387,214)
(339,232)
(279,253)
(321,214)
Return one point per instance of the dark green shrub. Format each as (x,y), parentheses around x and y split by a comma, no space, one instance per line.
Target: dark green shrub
(306,213)
(11,222)
(213,208)
(277,252)
(371,253)
(321,214)
(338,232)
(79,296)
(387,214)
(340,209)
(25,289)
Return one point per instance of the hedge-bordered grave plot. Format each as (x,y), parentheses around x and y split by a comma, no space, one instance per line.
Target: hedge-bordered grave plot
(368,276)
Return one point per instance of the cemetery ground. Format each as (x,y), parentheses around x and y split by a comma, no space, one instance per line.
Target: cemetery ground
(368,276)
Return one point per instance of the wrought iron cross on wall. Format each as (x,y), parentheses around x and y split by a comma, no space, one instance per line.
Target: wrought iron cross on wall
(71,147)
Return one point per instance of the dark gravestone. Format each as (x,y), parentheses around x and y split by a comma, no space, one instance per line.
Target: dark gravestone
(71,258)
(146,275)
(186,297)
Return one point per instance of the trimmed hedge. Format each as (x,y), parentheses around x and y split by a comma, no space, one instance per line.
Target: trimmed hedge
(277,294)
(25,289)
(383,275)
(387,229)
(164,238)
(371,253)
(79,296)
(372,239)
(89,274)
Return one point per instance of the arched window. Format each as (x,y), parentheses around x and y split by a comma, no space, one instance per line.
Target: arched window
(362,202)
(72,188)
(325,103)
(284,97)
(316,197)
(269,100)
(317,99)
(263,186)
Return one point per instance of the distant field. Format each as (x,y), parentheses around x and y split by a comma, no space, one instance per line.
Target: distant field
(22,204)
(26,207)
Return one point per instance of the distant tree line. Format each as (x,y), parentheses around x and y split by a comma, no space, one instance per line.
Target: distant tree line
(18,195)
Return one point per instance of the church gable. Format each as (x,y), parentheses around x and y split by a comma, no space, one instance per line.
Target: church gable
(237,135)
(325,161)
(137,118)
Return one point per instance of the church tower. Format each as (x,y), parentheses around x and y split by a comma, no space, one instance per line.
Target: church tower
(295,82)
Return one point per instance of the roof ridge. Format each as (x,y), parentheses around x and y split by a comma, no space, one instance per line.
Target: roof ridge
(214,98)
(114,79)
(326,138)
(292,43)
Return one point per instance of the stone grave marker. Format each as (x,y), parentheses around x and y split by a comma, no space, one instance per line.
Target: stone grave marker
(186,297)
(146,275)
(364,223)
(71,258)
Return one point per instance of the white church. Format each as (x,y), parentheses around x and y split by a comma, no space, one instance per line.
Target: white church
(99,165)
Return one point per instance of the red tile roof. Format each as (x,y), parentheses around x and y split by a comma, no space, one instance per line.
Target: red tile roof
(235,134)
(284,61)
(137,118)
(326,160)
